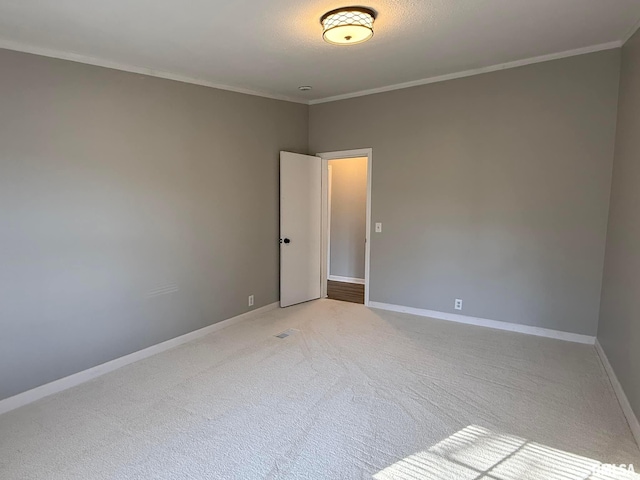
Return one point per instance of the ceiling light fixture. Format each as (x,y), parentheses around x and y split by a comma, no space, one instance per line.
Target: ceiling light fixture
(304,88)
(348,25)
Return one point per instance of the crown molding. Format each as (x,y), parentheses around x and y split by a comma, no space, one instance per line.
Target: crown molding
(74,57)
(476,71)
(631,32)
(78,58)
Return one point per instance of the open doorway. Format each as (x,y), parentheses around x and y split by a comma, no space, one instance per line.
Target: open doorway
(346,225)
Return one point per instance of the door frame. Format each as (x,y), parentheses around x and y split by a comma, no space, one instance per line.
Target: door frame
(324,270)
(327,260)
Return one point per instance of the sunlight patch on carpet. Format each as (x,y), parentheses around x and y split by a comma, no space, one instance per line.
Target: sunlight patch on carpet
(478,453)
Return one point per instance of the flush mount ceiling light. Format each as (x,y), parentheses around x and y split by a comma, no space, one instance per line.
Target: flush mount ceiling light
(348,25)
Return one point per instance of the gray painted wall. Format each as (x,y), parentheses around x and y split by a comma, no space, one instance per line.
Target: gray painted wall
(619,329)
(348,216)
(493,188)
(133,210)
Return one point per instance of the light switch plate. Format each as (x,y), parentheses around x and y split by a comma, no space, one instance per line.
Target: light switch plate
(378,227)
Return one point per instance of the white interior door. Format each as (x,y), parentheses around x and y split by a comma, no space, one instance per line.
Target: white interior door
(300,228)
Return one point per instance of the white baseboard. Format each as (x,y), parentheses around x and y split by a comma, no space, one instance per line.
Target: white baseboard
(65,383)
(622,397)
(337,278)
(483,322)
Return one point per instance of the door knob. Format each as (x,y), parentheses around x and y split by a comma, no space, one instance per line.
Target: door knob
(286,240)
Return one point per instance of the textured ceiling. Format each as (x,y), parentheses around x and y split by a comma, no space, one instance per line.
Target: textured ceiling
(274,46)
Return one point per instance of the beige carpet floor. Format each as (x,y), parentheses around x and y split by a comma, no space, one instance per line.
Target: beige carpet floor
(352,393)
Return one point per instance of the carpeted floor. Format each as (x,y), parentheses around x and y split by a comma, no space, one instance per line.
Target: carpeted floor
(353,393)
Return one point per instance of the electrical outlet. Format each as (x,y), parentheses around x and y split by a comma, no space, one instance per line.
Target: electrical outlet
(458,304)
(251,300)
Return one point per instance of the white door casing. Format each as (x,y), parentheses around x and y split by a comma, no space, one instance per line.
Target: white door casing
(344,154)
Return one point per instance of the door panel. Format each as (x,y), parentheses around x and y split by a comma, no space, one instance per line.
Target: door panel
(300,227)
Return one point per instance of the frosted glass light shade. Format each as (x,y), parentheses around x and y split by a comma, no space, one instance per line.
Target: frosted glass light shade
(348,25)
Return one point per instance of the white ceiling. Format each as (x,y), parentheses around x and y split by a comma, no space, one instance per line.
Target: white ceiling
(271,47)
